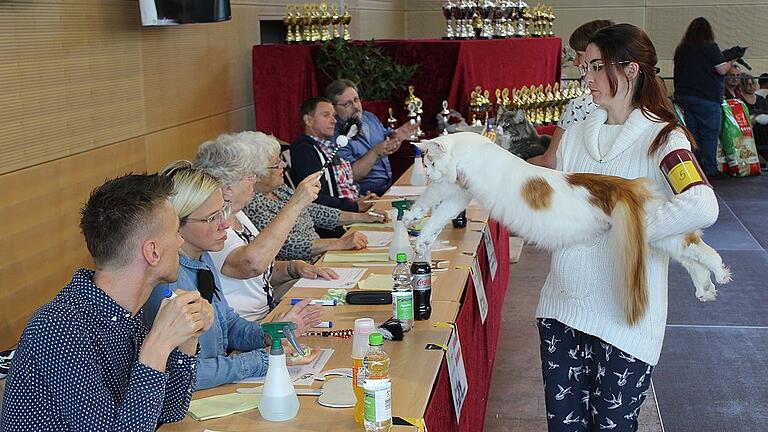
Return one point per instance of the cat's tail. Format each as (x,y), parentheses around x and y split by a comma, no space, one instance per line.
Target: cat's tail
(628,235)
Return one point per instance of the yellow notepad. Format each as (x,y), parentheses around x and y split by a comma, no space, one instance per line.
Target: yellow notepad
(222,405)
(356,257)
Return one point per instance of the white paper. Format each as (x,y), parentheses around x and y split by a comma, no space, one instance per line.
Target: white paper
(477,281)
(378,238)
(300,374)
(456,373)
(490,252)
(406,190)
(348,278)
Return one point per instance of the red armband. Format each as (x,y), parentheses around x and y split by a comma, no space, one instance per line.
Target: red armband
(682,171)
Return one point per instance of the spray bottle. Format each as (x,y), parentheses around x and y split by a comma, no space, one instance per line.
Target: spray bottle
(278,399)
(400,241)
(418,176)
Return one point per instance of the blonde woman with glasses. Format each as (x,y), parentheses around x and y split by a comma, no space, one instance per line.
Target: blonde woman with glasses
(203,215)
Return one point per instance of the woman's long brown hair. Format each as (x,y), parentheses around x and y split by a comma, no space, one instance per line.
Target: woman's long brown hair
(623,43)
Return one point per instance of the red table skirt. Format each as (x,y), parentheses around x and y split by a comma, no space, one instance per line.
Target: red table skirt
(286,75)
(478,345)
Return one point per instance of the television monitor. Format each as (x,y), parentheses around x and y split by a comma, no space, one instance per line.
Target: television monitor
(174,12)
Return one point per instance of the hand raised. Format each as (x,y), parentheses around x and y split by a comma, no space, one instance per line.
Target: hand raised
(307,190)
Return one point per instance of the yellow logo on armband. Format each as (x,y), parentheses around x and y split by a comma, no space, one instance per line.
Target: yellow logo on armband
(683,175)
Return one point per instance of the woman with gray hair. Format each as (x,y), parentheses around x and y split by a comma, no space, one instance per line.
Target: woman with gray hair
(272,197)
(247,261)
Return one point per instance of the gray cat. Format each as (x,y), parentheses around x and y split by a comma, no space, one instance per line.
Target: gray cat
(517,135)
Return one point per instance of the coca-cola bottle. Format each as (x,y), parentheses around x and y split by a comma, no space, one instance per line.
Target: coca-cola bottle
(422,287)
(460,221)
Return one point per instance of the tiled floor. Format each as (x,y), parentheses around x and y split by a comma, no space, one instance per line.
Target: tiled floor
(712,372)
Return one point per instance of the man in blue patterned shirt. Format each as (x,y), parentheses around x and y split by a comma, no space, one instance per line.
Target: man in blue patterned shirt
(369,151)
(85,361)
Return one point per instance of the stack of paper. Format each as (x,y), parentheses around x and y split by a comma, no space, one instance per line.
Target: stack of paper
(378,238)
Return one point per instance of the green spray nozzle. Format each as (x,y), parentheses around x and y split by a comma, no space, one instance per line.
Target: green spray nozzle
(401,206)
(279,330)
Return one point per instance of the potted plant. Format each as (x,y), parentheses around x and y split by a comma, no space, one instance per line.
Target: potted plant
(378,77)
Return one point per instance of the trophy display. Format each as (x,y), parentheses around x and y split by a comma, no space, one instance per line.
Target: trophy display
(478,106)
(313,22)
(542,105)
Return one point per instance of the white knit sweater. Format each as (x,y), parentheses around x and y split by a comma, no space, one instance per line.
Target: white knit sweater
(582,290)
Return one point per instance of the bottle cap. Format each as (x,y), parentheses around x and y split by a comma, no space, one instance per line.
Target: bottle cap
(402,257)
(375,339)
(363,328)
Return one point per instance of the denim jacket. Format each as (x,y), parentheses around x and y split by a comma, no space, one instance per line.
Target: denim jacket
(228,332)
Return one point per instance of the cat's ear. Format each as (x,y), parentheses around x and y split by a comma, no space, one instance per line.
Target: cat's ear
(436,149)
(519,116)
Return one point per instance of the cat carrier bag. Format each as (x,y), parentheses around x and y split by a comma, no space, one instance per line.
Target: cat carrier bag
(738,142)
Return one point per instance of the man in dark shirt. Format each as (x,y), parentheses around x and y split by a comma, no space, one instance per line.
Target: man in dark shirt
(314,148)
(85,360)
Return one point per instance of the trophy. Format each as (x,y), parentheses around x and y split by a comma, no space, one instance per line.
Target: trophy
(305,20)
(287,21)
(485,10)
(448,8)
(335,21)
(391,120)
(411,107)
(345,20)
(465,22)
(445,113)
(523,16)
(478,105)
(324,17)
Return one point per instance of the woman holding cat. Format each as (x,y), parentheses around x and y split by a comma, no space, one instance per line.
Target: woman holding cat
(596,366)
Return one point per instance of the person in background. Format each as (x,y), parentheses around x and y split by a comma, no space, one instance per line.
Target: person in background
(203,217)
(763,90)
(246,265)
(732,81)
(303,242)
(85,361)
(699,69)
(311,151)
(758,111)
(368,151)
(578,108)
(597,365)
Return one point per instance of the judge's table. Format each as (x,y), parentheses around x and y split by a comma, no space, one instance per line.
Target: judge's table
(414,369)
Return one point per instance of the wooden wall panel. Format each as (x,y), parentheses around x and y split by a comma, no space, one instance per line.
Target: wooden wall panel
(69,79)
(42,245)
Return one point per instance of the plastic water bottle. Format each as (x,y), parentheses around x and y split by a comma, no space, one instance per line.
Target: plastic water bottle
(422,287)
(402,292)
(363,329)
(418,177)
(377,387)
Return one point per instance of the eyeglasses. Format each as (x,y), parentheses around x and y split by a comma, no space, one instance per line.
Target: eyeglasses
(280,164)
(218,217)
(350,103)
(732,76)
(596,66)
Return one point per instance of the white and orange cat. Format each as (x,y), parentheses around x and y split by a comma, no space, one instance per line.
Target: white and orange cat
(554,210)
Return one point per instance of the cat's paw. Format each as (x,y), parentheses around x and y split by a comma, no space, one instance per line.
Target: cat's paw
(706,293)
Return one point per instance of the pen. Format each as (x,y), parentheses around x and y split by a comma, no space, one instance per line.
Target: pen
(324,324)
(321,302)
(169,294)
